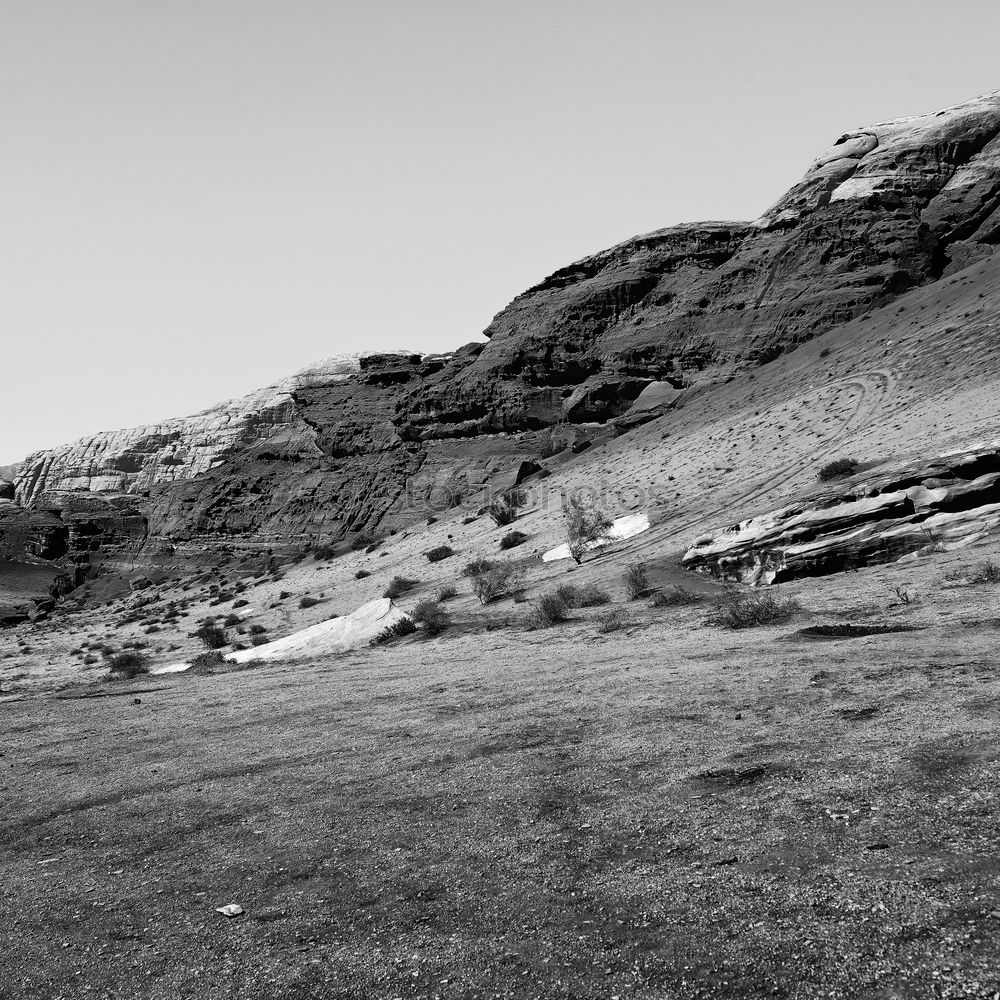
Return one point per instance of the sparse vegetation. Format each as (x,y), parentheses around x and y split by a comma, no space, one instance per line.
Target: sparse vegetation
(230,620)
(837,468)
(208,659)
(449,590)
(322,552)
(439,552)
(400,627)
(612,621)
(211,635)
(549,609)
(636,581)
(592,596)
(500,580)
(478,566)
(985,572)
(365,540)
(257,630)
(432,616)
(309,602)
(512,539)
(737,610)
(361,574)
(503,509)
(585,524)
(674,597)
(128,664)
(398,586)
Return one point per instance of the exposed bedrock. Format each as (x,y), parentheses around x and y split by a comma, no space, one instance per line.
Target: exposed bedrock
(944,504)
(883,209)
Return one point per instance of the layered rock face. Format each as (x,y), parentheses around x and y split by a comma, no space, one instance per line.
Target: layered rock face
(884,208)
(943,504)
(598,347)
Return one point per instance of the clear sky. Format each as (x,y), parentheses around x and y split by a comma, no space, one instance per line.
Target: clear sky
(198,197)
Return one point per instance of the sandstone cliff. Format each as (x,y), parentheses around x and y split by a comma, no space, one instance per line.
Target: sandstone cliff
(599,346)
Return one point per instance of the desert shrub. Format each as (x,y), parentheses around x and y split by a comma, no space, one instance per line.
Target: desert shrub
(90,658)
(432,616)
(128,664)
(241,603)
(674,597)
(151,630)
(498,581)
(636,581)
(838,467)
(324,552)
(470,519)
(591,596)
(513,539)
(447,591)
(284,594)
(259,640)
(503,509)
(211,635)
(257,630)
(104,648)
(361,574)
(208,659)
(439,553)
(985,572)
(550,609)
(478,566)
(230,620)
(585,523)
(432,520)
(566,592)
(398,585)
(365,540)
(738,610)
(400,627)
(612,621)
(309,602)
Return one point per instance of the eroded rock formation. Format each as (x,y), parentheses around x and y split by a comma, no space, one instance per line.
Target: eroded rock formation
(943,504)
(597,348)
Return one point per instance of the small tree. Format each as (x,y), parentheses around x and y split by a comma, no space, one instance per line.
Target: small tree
(585,523)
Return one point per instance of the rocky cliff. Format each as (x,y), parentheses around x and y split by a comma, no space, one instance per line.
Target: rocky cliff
(384,440)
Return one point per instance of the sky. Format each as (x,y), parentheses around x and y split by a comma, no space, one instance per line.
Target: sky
(202,196)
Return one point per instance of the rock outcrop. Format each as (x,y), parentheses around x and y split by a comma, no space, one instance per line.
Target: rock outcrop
(944,504)
(885,208)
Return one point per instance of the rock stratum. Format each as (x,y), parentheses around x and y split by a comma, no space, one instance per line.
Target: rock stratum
(595,350)
(948,503)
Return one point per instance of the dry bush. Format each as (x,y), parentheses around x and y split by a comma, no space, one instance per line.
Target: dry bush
(128,665)
(211,635)
(837,468)
(612,621)
(550,609)
(636,581)
(591,596)
(738,610)
(447,591)
(985,572)
(432,616)
(309,602)
(498,581)
(478,566)
(439,553)
(512,539)
(399,628)
(398,585)
(361,574)
(674,597)
(503,509)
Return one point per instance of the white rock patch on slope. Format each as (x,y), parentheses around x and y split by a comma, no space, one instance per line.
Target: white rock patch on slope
(351,631)
(622,527)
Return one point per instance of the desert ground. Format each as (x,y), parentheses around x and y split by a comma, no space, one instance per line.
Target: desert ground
(666,808)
